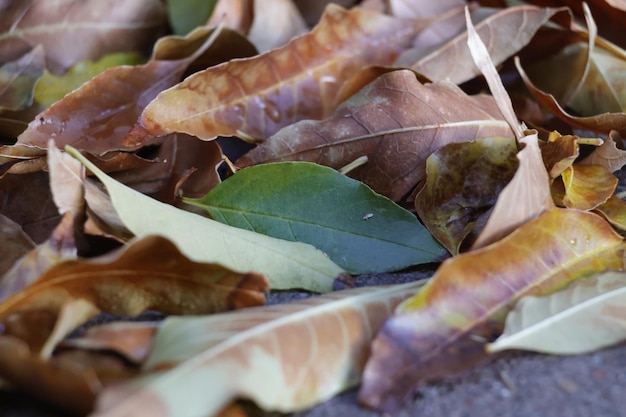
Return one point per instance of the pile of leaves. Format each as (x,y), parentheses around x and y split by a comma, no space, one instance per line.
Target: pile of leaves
(189,157)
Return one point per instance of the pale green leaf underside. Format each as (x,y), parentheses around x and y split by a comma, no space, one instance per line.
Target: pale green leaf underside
(588,315)
(285,264)
(360,230)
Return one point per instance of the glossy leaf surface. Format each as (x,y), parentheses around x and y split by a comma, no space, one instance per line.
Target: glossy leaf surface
(359,230)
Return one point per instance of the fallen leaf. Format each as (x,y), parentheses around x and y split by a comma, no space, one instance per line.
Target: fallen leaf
(231,100)
(559,153)
(587,186)
(441,331)
(586,316)
(463,181)
(18,78)
(233,14)
(68,385)
(16,243)
(285,264)
(603,123)
(303,202)
(132,340)
(114,26)
(270,355)
(51,88)
(396,122)
(614,210)
(506,31)
(150,273)
(609,155)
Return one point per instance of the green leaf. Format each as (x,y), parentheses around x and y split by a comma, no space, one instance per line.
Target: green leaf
(586,316)
(301,201)
(185,15)
(285,264)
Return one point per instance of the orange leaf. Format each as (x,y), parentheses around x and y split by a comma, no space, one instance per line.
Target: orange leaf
(441,331)
(255,97)
(587,186)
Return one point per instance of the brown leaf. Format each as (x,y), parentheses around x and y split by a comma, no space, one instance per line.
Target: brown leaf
(15,243)
(149,274)
(272,355)
(614,210)
(68,385)
(609,155)
(587,186)
(233,14)
(559,153)
(602,123)
(525,197)
(302,80)
(18,78)
(101,27)
(505,32)
(396,122)
(129,339)
(462,183)
(442,330)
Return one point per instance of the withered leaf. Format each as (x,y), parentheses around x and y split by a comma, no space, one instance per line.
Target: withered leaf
(603,123)
(101,27)
(129,339)
(609,155)
(559,153)
(97,116)
(68,385)
(275,23)
(150,273)
(463,181)
(300,80)
(18,78)
(16,243)
(396,122)
(442,330)
(614,210)
(587,186)
(284,357)
(506,31)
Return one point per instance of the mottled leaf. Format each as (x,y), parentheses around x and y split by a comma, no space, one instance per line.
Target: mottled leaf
(74,30)
(463,181)
(285,264)
(614,210)
(150,273)
(301,82)
(441,331)
(396,122)
(586,316)
(18,78)
(302,202)
(587,186)
(284,357)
